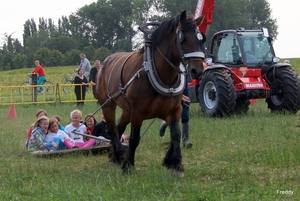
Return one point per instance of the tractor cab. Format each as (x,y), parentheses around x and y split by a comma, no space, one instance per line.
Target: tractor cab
(236,48)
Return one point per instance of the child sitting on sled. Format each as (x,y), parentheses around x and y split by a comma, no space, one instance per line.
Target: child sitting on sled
(56,135)
(77,126)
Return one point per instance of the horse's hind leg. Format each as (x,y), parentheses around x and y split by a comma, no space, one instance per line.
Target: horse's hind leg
(173,158)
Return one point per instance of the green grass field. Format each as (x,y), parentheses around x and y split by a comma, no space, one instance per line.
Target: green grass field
(253,156)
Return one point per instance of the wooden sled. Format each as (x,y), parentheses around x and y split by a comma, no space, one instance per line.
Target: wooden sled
(102,147)
(98,149)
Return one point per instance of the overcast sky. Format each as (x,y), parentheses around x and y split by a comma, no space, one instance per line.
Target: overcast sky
(14,13)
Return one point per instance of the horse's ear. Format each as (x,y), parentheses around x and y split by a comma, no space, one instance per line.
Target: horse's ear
(200,19)
(183,16)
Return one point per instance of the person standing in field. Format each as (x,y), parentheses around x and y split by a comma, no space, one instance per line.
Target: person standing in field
(93,76)
(80,88)
(85,65)
(185,103)
(39,70)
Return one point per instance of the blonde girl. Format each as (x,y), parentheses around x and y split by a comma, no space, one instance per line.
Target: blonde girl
(76,125)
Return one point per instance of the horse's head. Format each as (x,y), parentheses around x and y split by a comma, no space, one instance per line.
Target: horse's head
(179,41)
(191,44)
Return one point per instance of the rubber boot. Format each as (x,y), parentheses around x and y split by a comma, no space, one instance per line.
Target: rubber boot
(162,129)
(185,135)
(89,143)
(69,144)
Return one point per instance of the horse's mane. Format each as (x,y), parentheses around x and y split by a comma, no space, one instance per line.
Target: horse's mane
(167,28)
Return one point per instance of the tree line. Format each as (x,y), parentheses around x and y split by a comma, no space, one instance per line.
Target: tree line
(104,27)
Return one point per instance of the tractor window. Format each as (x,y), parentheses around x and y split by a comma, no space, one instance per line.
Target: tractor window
(226,49)
(256,47)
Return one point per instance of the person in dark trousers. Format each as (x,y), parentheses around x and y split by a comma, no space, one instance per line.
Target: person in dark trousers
(184,119)
(80,90)
(93,76)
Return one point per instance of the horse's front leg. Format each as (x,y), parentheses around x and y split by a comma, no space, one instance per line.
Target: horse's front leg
(109,115)
(133,144)
(114,154)
(173,158)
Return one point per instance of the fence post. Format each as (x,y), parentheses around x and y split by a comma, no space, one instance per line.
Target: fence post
(34,82)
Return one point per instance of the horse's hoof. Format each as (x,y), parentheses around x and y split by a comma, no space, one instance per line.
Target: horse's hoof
(176,173)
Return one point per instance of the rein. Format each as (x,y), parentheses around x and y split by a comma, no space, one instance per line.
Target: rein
(169,62)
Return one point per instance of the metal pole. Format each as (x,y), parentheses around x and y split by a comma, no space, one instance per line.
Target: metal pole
(34,82)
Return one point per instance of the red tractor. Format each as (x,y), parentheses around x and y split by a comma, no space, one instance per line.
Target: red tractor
(241,66)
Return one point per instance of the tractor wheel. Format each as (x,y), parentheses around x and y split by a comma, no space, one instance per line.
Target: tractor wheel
(286,84)
(241,105)
(217,93)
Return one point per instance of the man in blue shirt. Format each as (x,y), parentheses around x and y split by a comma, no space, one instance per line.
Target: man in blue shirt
(85,65)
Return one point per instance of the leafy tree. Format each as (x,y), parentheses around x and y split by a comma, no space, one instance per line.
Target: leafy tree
(9,44)
(19,61)
(7,61)
(30,29)
(243,13)
(89,51)
(64,26)
(42,55)
(228,14)
(55,58)
(37,41)
(62,43)
(101,53)
(105,23)
(30,60)
(174,7)
(18,48)
(72,58)
(48,57)
(122,45)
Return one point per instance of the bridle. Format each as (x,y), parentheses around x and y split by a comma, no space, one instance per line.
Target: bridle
(180,39)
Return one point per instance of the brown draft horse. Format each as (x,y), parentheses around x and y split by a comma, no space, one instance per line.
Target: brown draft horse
(147,84)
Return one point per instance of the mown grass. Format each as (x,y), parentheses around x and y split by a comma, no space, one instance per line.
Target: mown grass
(250,156)
(243,157)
